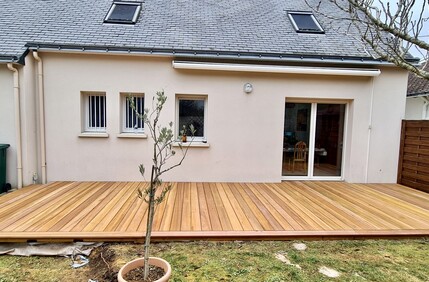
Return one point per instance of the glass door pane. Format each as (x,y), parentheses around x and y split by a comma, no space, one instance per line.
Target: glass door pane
(328,150)
(296,139)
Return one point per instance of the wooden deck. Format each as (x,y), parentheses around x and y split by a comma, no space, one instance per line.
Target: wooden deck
(65,211)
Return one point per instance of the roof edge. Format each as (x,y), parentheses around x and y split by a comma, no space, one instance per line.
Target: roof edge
(207,54)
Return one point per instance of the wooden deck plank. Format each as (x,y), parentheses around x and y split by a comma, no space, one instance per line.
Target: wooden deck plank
(204,209)
(294,209)
(211,207)
(332,210)
(160,208)
(239,212)
(221,210)
(176,220)
(229,209)
(186,208)
(357,221)
(169,207)
(90,219)
(195,208)
(355,203)
(88,210)
(68,207)
(254,222)
(263,207)
(30,210)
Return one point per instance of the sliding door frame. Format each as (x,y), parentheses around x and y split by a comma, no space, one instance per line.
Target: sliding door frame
(313,119)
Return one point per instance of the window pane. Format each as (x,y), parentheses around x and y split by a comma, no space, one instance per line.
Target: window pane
(132,121)
(123,13)
(192,112)
(296,139)
(96,112)
(305,22)
(329,139)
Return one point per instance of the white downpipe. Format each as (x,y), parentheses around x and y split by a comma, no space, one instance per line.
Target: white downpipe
(17,123)
(41,97)
(371,106)
(425,110)
(275,69)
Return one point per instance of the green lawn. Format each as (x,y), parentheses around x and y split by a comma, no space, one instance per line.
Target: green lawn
(360,260)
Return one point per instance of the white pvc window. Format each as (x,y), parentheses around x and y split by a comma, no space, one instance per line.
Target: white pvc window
(130,119)
(95,112)
(192,110)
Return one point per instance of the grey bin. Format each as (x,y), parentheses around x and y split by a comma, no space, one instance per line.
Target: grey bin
(3,185)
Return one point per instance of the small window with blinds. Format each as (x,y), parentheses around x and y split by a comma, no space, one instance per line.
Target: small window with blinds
(131,122)
(95,112)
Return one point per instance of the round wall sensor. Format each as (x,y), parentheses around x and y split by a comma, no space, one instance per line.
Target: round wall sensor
(248,88)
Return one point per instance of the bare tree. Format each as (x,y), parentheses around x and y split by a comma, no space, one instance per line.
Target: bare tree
(390,31)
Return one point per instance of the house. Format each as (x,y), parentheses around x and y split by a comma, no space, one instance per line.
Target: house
(254,77)
(417,106)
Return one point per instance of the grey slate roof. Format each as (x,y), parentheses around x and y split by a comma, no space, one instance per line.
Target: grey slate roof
(246,26)
(418,86)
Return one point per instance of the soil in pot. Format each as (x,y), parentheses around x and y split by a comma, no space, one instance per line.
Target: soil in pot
(137,274)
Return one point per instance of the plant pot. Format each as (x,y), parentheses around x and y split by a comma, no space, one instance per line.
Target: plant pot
(140,263)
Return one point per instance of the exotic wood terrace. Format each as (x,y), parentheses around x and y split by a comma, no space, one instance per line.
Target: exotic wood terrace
(66,211)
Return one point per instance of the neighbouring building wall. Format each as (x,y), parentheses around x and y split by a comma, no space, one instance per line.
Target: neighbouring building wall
(7,122)
(414,108)
(27,100)
(244,131)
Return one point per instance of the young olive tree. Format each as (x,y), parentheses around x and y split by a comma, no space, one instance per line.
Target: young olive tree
(163,139)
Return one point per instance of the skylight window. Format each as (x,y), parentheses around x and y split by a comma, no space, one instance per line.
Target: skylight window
(123,13)
(305,22)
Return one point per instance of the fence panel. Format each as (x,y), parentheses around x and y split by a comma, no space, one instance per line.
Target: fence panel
(413,170)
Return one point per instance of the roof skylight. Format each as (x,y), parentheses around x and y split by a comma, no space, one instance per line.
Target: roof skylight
(123,13)
(305,22)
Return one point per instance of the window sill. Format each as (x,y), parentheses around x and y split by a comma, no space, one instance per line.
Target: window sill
(194,144)
(132,135)
(94,135)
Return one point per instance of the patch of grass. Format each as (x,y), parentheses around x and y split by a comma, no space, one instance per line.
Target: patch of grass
(365,260)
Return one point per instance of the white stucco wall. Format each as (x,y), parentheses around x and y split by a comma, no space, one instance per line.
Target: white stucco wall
(7,122)
(387,112)
(245,131)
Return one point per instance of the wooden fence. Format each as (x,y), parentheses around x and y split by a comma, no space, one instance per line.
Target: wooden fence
(413,168)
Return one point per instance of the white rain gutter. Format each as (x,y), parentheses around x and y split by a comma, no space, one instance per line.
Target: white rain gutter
(425,112)
(17,123)
(41,94)
(275,69)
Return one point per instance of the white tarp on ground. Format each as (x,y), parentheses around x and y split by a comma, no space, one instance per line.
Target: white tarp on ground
(47,249)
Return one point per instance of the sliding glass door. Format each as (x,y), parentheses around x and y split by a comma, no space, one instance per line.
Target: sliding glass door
(313,140)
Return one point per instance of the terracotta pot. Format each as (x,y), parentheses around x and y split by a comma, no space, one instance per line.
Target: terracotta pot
(140,262)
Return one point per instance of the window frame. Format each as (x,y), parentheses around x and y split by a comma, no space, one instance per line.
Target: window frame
(86,112)
(295,25)
(123,111)
(198,139)
(132,21)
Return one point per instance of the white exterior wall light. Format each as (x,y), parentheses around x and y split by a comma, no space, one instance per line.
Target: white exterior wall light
(248,88)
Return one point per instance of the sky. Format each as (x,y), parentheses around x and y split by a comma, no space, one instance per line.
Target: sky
(424,35)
